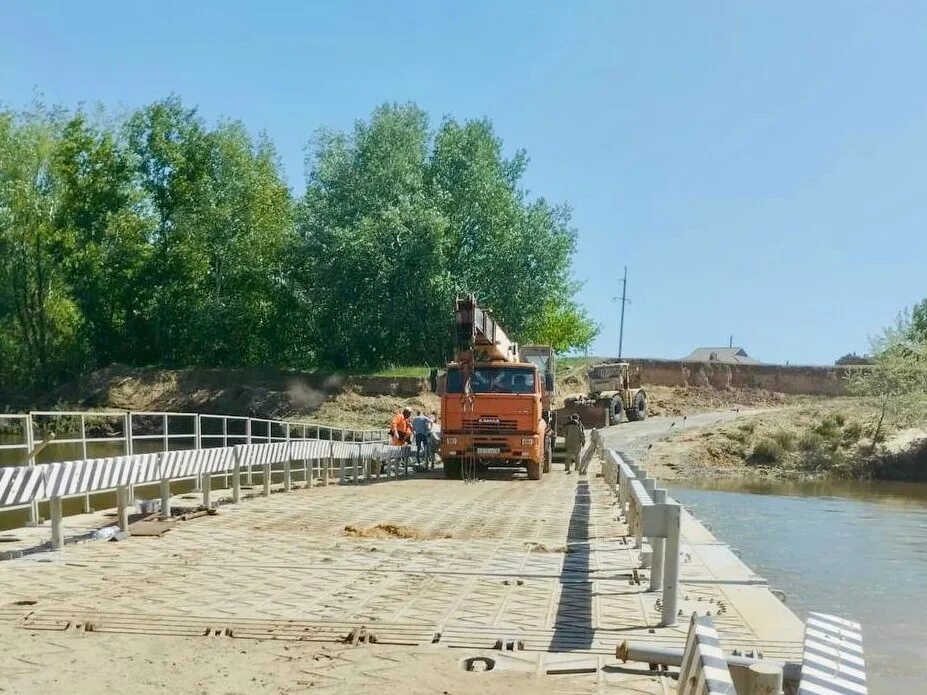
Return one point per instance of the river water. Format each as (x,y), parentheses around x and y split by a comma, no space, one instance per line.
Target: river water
(857,550)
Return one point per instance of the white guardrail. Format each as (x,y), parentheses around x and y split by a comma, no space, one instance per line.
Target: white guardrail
(187,446)
(832,661)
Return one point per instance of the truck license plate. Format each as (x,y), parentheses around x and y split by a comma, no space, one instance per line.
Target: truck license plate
(488,450)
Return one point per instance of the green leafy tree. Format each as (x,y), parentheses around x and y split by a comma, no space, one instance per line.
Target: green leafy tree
(103,211)
(397,221)
(222,231)
(39,320)
(897,378)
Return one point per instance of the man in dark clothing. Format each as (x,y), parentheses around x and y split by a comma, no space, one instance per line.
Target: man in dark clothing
(575,437)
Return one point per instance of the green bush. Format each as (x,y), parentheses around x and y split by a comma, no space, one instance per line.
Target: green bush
(840,419)
(785,439)
(810,441)
(766,452)
(828,429)
(852,432)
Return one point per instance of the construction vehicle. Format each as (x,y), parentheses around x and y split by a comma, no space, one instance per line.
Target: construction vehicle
(496,404)
(615,394)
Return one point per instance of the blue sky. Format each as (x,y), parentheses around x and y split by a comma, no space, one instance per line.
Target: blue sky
(759,167)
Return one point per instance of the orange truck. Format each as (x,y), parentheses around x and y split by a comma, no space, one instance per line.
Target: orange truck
(496,405)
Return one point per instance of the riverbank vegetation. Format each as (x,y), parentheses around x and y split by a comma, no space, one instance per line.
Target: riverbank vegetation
(881,433)
(159,239)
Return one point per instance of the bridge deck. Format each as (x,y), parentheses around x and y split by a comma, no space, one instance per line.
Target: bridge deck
(542,567)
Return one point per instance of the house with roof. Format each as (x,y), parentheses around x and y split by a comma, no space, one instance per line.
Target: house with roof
(720,355)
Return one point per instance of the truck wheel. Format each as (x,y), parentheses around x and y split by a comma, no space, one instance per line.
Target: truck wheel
(638,409)
(616,412)
(451,468)
(534,470)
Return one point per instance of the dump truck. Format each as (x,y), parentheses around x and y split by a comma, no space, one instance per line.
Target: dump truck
(496,402)
(615,394)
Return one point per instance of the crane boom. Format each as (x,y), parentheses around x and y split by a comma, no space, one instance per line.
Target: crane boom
(479,337)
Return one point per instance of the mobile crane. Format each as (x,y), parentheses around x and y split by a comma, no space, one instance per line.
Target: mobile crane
(496,405)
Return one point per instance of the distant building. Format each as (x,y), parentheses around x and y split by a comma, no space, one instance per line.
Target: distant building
(720,355)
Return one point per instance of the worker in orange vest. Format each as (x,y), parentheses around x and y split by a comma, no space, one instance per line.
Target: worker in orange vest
(400,428)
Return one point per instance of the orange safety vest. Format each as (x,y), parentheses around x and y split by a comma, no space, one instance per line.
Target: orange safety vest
(401,430)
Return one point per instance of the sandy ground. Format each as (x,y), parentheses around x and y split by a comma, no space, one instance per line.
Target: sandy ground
(274,594)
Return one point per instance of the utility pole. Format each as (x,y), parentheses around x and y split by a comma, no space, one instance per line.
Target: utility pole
(624,300)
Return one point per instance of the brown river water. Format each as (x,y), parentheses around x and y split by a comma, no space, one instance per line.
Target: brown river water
(854,549)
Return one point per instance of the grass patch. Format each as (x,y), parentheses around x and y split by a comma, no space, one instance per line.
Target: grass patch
(828,428)
(810,441)
(766,452)
(784,438)
(852,433)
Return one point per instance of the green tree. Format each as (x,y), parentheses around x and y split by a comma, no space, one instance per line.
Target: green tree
(39,320)
(221,236)
(397,220)
(897,379)
(103,211)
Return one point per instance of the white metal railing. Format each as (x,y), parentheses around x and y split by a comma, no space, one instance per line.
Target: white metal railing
(832,661)
(84,434)
(55,482)
(704,669)
(650,514)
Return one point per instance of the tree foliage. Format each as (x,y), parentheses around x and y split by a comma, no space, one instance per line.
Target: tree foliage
(162,240)
(897,376)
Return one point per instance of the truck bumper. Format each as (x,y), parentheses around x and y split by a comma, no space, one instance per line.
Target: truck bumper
(487,447)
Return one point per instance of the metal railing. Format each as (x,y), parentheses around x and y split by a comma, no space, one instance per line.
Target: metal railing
(650,514)
(56,482)
(55,435)
(832,660)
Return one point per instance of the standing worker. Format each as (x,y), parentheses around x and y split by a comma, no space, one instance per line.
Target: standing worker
(575,437)
(422,426)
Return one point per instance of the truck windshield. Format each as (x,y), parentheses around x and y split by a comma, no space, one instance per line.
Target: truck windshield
(494,380)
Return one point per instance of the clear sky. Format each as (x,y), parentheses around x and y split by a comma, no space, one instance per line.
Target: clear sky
(760,167)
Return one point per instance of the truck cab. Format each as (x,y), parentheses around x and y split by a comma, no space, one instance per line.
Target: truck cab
(500,422)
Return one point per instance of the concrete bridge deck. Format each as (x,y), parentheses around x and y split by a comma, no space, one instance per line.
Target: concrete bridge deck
(273,595)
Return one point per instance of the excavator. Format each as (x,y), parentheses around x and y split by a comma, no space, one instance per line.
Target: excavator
(496,405)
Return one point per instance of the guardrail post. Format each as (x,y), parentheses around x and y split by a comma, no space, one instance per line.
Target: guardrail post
(122,507)
(83,451)
(267,479)
(165,488)
(671,564)
(236,475)
(329,462)
(310,472)
(342,473)
(30,445)
(127,419)
(646,557)
(287,473)
(198,444)
(57,523)
(165,498)
(248,480)
(657,546)
(206,477)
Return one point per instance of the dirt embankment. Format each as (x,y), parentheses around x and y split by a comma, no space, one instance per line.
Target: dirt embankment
(838,438)
(350,401)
